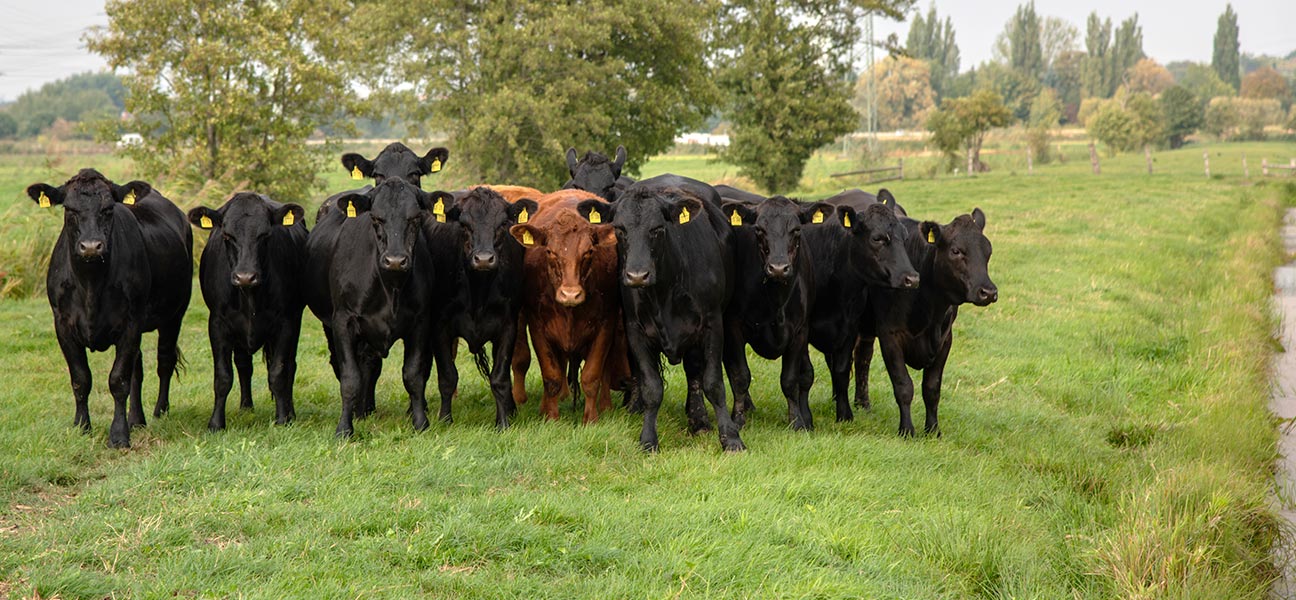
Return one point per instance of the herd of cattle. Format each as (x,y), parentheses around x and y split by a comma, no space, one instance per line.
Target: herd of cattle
(607,275)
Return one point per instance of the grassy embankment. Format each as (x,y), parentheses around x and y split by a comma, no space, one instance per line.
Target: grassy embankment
(1105,436)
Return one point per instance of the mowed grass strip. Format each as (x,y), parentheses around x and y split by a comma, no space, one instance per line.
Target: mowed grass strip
(1105,435)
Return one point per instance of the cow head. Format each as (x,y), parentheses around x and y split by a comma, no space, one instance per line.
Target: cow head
(640,218)
(568,243)
(395,209)
(396,161)
(962,262)
(594,173)
(485,217)
(89,202)
(244,224)
(886,197)
(877,246)
(776,222)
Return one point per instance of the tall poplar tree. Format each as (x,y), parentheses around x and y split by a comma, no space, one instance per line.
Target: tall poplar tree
(1225,59)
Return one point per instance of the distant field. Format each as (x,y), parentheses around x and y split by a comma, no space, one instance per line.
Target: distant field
(1105,435)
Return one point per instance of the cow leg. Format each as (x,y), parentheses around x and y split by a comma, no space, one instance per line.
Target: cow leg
(168,355)
(863,360)
(735,365)
(901,382)
(222,382)
(713,385)
(501,386)
(444,349)
(805,380)
(328,340)
(243,366)
(553,373)
(521,363)
(839,366)
(135,410)
(281,369)
(790,381)
(414,374)
(79,369)
(593,377)
(644,362)
(370,371)
(931,386)
(694,404)
(352,379)
(119,383)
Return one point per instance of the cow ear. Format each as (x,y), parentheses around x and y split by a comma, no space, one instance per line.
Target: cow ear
(848,218)
(814,212)
(437,203)
(522,210)
(45,195)
(619,161)
(435,160)
(682,210)
(931,232)
(978,217)
(353,205)
(737,213)
(132,192)
(358,166)
(289,215)
(884,196)
(527,235)
(571,161)
(596,211)
(205,218)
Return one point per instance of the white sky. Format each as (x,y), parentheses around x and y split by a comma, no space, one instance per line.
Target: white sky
(40,41)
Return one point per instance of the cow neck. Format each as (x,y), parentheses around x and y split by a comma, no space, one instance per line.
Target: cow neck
(930,302)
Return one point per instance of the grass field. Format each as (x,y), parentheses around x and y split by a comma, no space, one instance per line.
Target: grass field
(1105,435)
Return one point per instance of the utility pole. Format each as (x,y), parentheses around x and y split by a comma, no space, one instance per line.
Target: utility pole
(870,86)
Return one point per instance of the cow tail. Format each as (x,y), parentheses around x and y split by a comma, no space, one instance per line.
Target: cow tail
(482,360)
(573,382)
(182,365)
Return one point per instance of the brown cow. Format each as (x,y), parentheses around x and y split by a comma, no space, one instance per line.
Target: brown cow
(572,304)
(513,193)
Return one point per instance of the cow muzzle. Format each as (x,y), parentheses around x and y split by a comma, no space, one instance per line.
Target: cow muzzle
(986,295)
(570,296)
(245,280)
(637,279)
(909,281)
(91,249)
(779,272)
(483,261)
(395,262)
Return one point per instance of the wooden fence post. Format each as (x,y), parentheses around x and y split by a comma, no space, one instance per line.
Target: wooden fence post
(1147,155)
(901,168)
(1093,158)
(1264,167)
(1246,172)
(1030,163)
(1206,161)
(969,172)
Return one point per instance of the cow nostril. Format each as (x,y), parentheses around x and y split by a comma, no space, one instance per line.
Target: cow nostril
(636,278)
(910,281)
(779,270)
(90,249)
(483,260)
(395,263)
(246,279)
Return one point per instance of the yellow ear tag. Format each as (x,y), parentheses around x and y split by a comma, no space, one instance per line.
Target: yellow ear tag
(684,215)
(818,217)
(289,219)
(351,213)
(846,221)
(436,165)
(735,219)
(129,199)
(931,237)
(44,200)
(527,240)
(523,216)
(205,222)
(595,217)
(355,173)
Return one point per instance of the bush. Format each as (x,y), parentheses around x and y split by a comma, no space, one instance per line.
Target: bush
(1242,118)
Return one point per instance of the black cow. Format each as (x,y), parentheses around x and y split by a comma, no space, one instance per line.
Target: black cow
(859,200)
(860,249)
(251,276)
(121,267)
(380,282)
(596,174)
(676,276)
(480,269)
(729,192)
(916,327)
(395,161)
(772,297)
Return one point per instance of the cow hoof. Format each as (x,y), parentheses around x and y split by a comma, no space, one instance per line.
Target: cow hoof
(160,410)
(445,418)
(649,446)
(864,403)
(214,426)
(136,424)
(118,441)
(801,426)
(733,444)
(343,433)
(245,407)
(740,419)
(696,426)
(906,432)
(845,417)
(420,422)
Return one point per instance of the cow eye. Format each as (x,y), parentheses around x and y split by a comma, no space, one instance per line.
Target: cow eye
(657,231)
(956,251)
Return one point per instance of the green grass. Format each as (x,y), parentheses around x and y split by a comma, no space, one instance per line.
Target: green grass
(1105,435)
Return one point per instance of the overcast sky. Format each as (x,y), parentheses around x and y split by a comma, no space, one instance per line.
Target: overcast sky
(40,40)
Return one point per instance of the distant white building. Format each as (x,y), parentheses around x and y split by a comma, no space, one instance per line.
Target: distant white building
(130,139)
(702,139)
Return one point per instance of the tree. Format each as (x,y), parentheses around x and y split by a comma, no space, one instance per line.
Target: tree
(8,126)
(227,91)
(1148,76)
(1225,58)
(1058,37)
(1205,83)
(1183,114)
(1126,48)
(80,98)
(1127,122)
(962,124)
(1265,82)
(783,81)
(1242,118)
(932,40)
(514,83)
(1045,114)
(1017,89)
(1097,71)
(1026,52)
(904,92)
(1113,126)
(1067,78)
